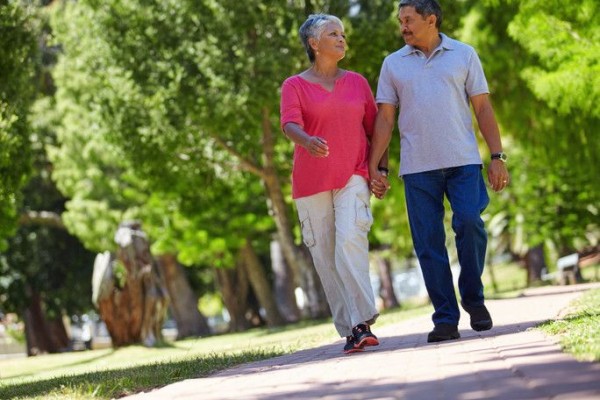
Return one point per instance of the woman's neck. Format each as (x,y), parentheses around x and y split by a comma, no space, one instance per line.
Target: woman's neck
(325,70)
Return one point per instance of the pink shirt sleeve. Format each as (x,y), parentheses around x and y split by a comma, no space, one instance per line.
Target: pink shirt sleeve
(290,107)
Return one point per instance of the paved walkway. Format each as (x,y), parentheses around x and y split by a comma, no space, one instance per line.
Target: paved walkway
(509,362)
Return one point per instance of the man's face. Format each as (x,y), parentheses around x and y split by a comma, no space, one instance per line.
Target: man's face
(416,30)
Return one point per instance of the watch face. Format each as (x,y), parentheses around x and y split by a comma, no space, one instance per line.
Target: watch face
(499,156)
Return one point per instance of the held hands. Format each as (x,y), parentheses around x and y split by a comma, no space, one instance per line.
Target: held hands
(379,183)
(498,176)
(317,147)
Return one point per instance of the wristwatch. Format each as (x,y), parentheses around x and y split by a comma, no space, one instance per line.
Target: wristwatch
(384,171)
(499,156)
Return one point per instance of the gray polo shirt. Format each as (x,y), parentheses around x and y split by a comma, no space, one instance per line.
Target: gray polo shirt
(435,123)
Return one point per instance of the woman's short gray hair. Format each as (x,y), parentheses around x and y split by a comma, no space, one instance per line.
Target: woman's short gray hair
(313,28)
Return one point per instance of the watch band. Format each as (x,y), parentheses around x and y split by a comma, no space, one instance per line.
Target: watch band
(499,156)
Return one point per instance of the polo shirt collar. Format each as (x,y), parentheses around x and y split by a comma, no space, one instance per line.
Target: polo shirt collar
(446,44)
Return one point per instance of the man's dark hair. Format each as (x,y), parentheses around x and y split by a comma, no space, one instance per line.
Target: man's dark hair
(425,8)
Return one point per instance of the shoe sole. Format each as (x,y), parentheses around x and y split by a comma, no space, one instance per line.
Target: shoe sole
(436,339)
(369,341)
(481,325)
(354,350)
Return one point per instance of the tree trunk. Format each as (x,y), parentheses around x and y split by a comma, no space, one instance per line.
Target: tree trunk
(58,334)
(184,302)
(535,263)
(234,289)
(36,335)
(135,309)
(316,303)
(260,285)
(386,288)
(284,287)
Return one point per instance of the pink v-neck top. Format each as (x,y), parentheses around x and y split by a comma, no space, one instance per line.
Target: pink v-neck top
(344,117)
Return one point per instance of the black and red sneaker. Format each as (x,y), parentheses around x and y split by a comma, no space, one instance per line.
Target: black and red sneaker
(351,346)
(363,336)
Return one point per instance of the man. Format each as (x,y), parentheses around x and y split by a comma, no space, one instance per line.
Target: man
(433,80)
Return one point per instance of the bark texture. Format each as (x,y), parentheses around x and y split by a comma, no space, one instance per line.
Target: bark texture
(234,291)
(41,334)
(386,288)
(183,301)
(134,304)
(261,286)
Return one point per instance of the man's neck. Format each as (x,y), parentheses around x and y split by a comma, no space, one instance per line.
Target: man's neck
(432,44)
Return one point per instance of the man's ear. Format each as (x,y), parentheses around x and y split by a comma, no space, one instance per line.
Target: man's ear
(432,20)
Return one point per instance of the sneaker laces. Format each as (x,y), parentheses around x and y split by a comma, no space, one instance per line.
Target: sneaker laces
(361,328)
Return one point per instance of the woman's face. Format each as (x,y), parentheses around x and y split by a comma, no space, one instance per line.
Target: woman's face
(332,42)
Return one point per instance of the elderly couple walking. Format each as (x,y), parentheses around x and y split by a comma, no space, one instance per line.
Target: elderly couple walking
(341,135)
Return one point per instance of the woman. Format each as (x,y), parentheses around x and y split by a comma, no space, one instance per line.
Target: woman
(329,114)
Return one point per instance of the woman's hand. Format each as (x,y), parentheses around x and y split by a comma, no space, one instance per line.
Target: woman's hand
(379,184)
(317,147)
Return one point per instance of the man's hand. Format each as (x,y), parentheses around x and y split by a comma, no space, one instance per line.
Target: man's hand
(498,176)
(379,184)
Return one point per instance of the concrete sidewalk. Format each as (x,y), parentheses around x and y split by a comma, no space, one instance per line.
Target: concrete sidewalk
(509,362)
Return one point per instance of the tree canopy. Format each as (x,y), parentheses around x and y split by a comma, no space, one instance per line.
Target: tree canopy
(18,56)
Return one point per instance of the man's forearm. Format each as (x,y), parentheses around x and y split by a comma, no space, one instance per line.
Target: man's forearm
(382,135)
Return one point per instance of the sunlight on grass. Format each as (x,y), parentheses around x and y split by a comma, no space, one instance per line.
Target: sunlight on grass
(109,373)
(579,331)
(112,373)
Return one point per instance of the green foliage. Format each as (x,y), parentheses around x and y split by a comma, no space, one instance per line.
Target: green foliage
(120,273)
(566,40)
(139,87)
(579,332)
(48,262)
(147,93)
(18,53)
(553,196)
(566,219)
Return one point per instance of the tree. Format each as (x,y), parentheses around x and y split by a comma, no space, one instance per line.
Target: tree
(129,292)
(152,102)
(551,200)
(46,272)
(18,59)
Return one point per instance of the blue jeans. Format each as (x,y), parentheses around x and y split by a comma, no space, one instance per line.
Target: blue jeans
(465,189)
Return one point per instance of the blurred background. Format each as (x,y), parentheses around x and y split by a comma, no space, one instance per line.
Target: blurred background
(145,183)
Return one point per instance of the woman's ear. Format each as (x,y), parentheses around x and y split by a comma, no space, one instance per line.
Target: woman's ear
(314,44)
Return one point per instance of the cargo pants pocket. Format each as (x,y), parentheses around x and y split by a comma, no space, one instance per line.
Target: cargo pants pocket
(364,217)
(308,236)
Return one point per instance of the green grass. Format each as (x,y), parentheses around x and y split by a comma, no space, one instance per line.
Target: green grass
(579,331)
(511,279)
(110,373)
(113,373)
